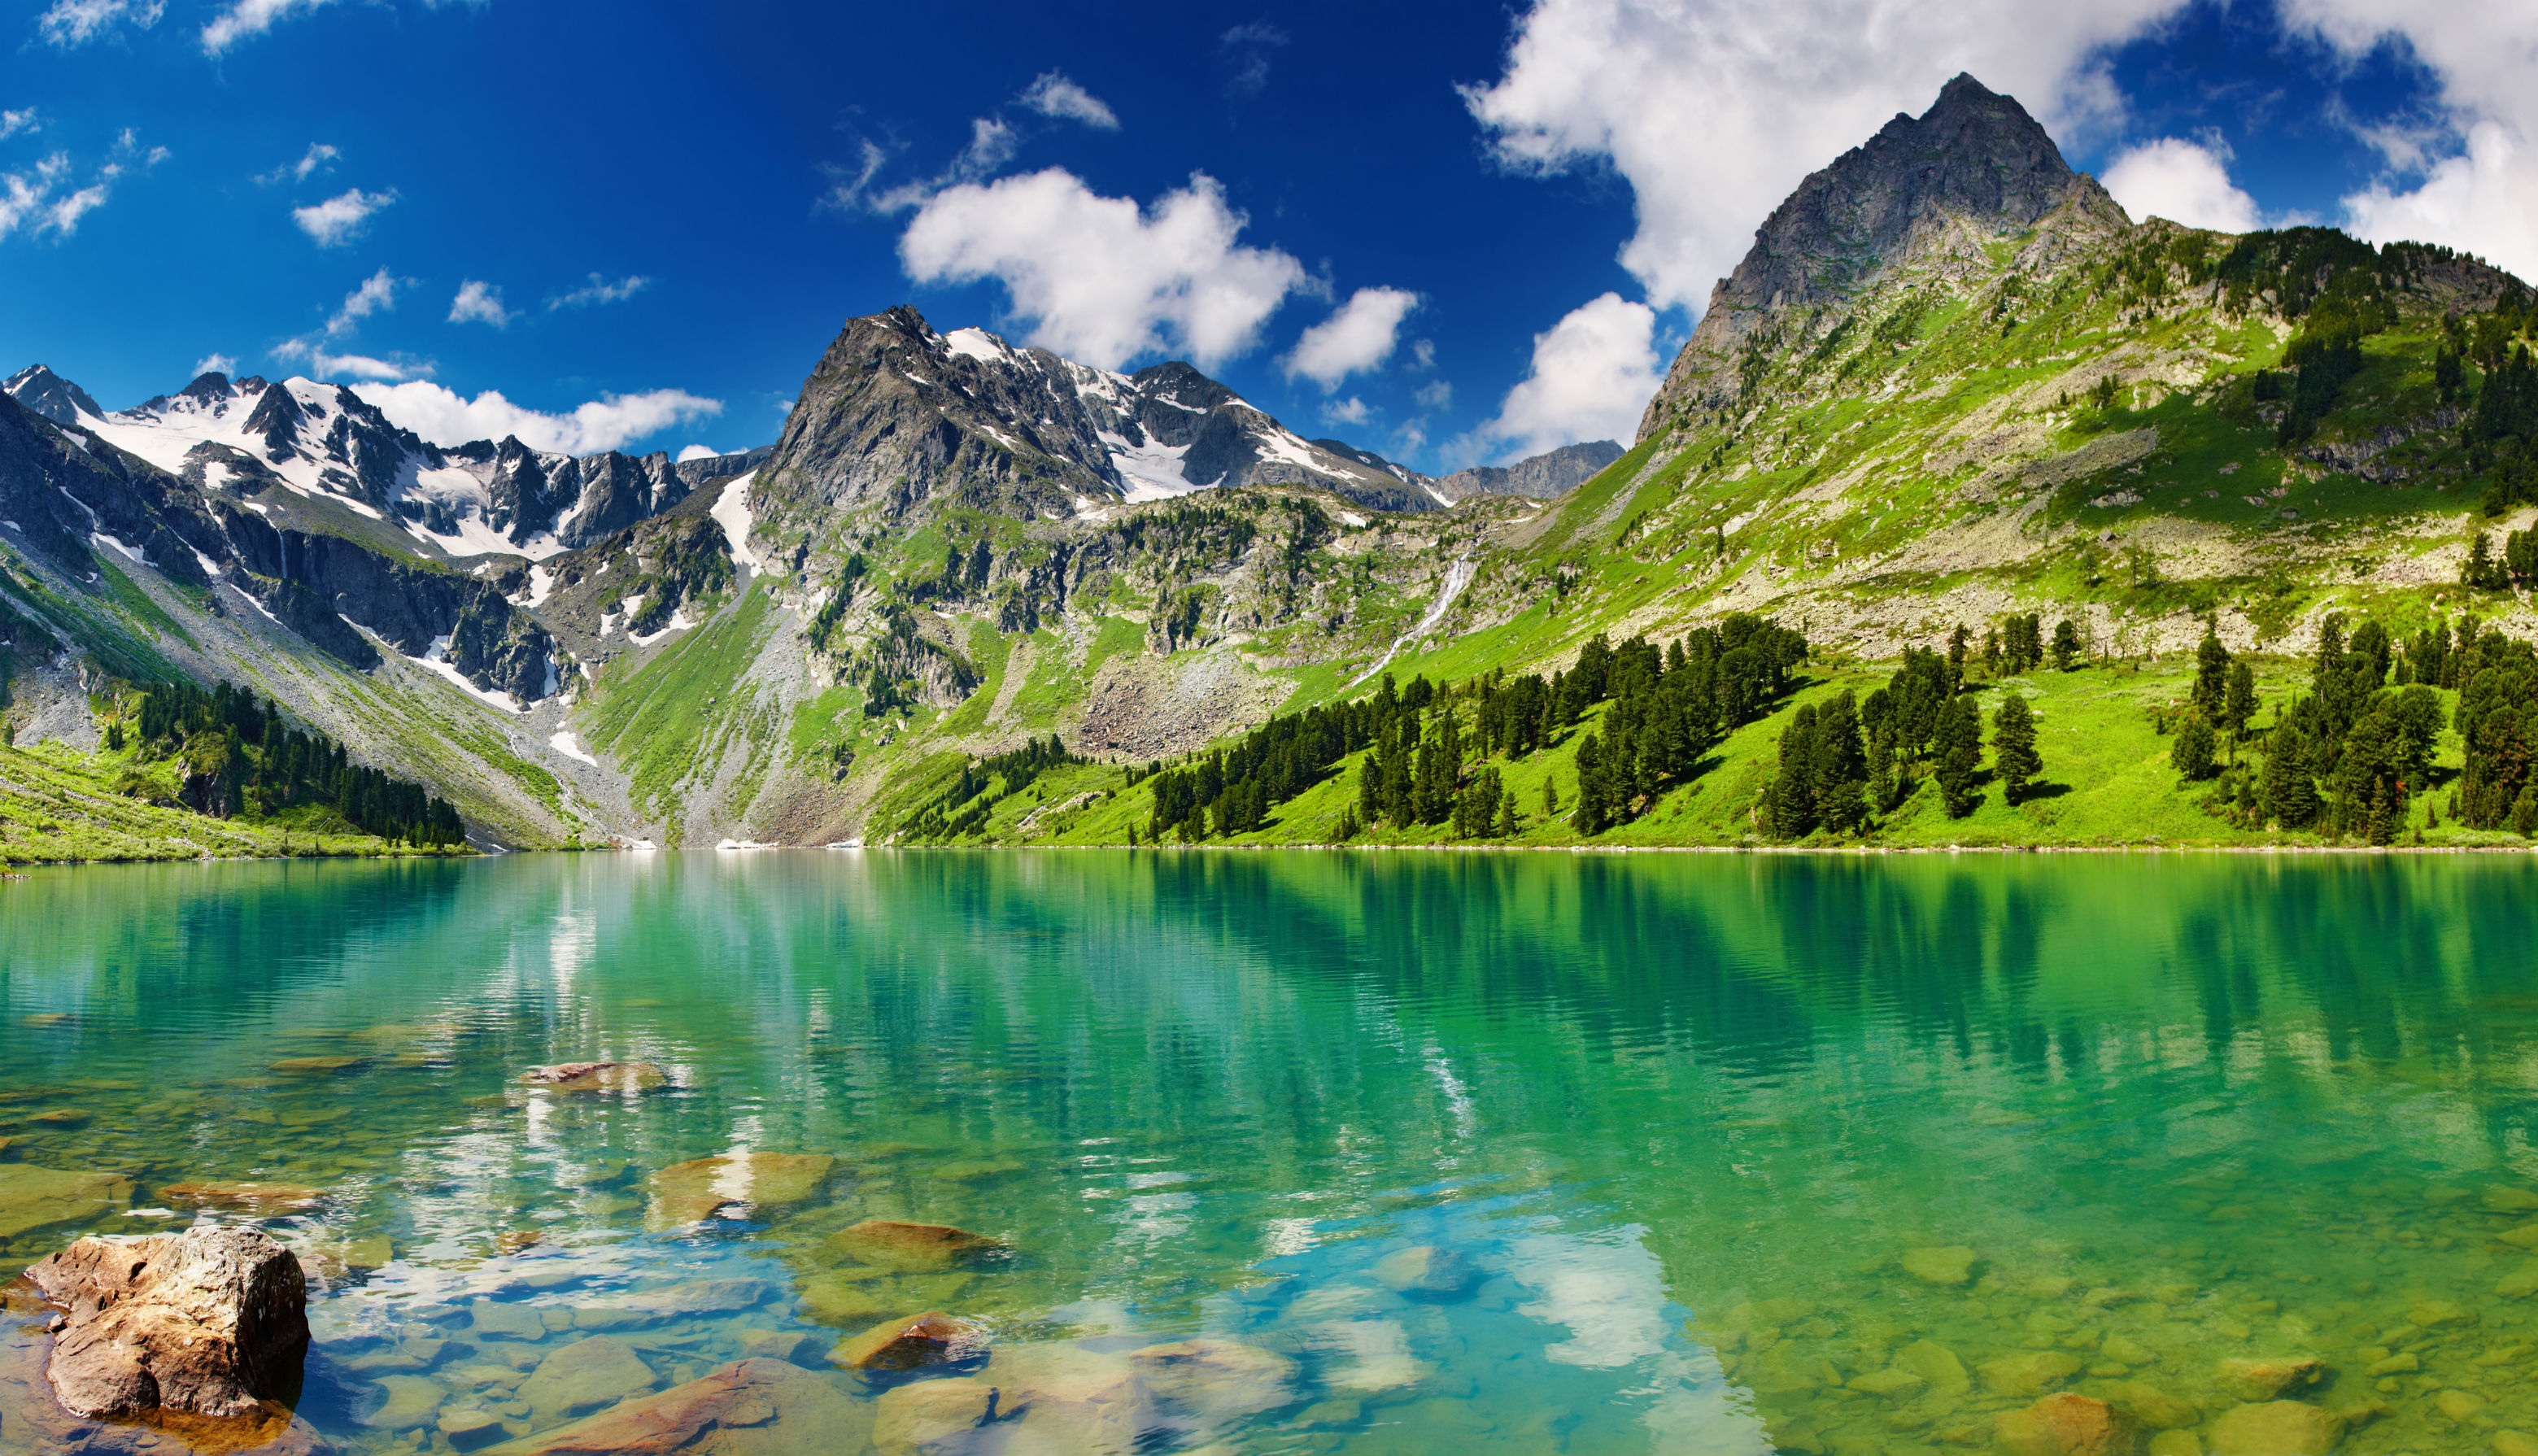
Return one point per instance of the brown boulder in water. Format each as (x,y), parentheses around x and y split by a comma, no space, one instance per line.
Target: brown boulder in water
(905,1343)
(259,1199)
(611,1077)
(753,1405)
(213,1321)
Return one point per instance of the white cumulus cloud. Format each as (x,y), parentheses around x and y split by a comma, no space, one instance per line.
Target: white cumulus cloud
(1355,339)
(599,290)
(36,199)
(248,19)
(1100,279)
(1349,411)
(14,122)
(339,219)
(2182,181)
(1713,111)
(480,302)
(2473,182)
(376,294)
(446,417)
(69,23)
(215,364)
(1592,376)
(698,452)
(1053,94)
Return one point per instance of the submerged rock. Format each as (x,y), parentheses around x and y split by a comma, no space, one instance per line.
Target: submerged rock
(2275,1428)
(1215,1379)
(585,1376)
(915,1248)
(1070,1398)
(692,1192)
(750,1407)
(406,1403)
(926,1338)
(1945,1268)
(2066,1425)
(2270,1379)
(213,1321)
(1441,1273)
(599,1077)
(259,1199)
(33,1197)
(2153,1407)
(930,1415)
(1936,1364)
(2030,1372)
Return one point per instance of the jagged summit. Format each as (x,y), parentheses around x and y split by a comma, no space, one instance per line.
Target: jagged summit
(1970,171)
(50,395)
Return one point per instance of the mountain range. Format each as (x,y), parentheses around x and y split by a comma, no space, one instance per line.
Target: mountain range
(1951,382)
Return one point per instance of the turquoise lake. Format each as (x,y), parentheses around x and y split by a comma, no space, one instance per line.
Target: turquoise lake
(1717,1153)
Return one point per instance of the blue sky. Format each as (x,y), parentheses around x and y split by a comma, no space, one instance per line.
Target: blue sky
(1444,233)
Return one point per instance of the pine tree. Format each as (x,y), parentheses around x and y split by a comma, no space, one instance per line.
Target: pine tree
(1837,774)
(1507,825)
(2192,755)
(2211,674)
(1958,751)
(1792,809)
(2066,644)
(2239,704)
(2013,746)
(1959,648)
(2289,794)
(1593,812)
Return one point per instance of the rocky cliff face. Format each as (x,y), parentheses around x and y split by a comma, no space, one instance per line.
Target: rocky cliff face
(1927,190)
(1540,478)
(50,395)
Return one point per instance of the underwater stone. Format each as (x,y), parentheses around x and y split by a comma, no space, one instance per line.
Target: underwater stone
(917,1420)
(585,1374)
(1945,1267)
(260,1199)
(410,1401)
(2504,1198)
(915,1247)
(1936,1364)
(2029,1373)
(466,1430)
(1215,1379)
(2146,1403)
(2067,1425)
(591,1077)
(692,1192)
(2176,1443)
(33,1197)
(506,1321)
(749,1408)
(1427,1270)
(2269,1379)
(1070,1398)
(2275,1428)
(2519,1284)
(2515,1443)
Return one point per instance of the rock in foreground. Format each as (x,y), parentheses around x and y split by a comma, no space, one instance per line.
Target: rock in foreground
(213,1321)
(905,1343)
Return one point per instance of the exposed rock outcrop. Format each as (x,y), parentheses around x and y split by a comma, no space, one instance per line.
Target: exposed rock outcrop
(211,1321)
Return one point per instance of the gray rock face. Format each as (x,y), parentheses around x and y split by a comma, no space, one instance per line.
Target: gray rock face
(1542,477)
(898,417)
(50,395)
(1973,169)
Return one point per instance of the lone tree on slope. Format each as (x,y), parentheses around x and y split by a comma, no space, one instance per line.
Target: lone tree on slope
(2013,744)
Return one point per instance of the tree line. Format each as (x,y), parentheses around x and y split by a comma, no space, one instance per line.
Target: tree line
(1428,746)
(242,756)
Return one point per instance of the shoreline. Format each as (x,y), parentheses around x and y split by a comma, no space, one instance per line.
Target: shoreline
(1861,852)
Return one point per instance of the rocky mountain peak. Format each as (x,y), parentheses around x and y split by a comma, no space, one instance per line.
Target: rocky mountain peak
(50,395)
(209,386)
(1925,190)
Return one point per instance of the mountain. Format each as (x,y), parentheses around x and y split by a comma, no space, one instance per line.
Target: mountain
(1952,385)
(1541,477)
(50,395)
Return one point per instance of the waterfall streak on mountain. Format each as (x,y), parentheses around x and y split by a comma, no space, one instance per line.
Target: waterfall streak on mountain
(1457,576)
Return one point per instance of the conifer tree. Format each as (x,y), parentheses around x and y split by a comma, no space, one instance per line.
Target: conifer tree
(2239,704)
(2192,755)
(1791,810)
(2211,674)
(1958,751)
(2013,746)
(1839,772)
(2066,644)
(1593,814)
(2289,794)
